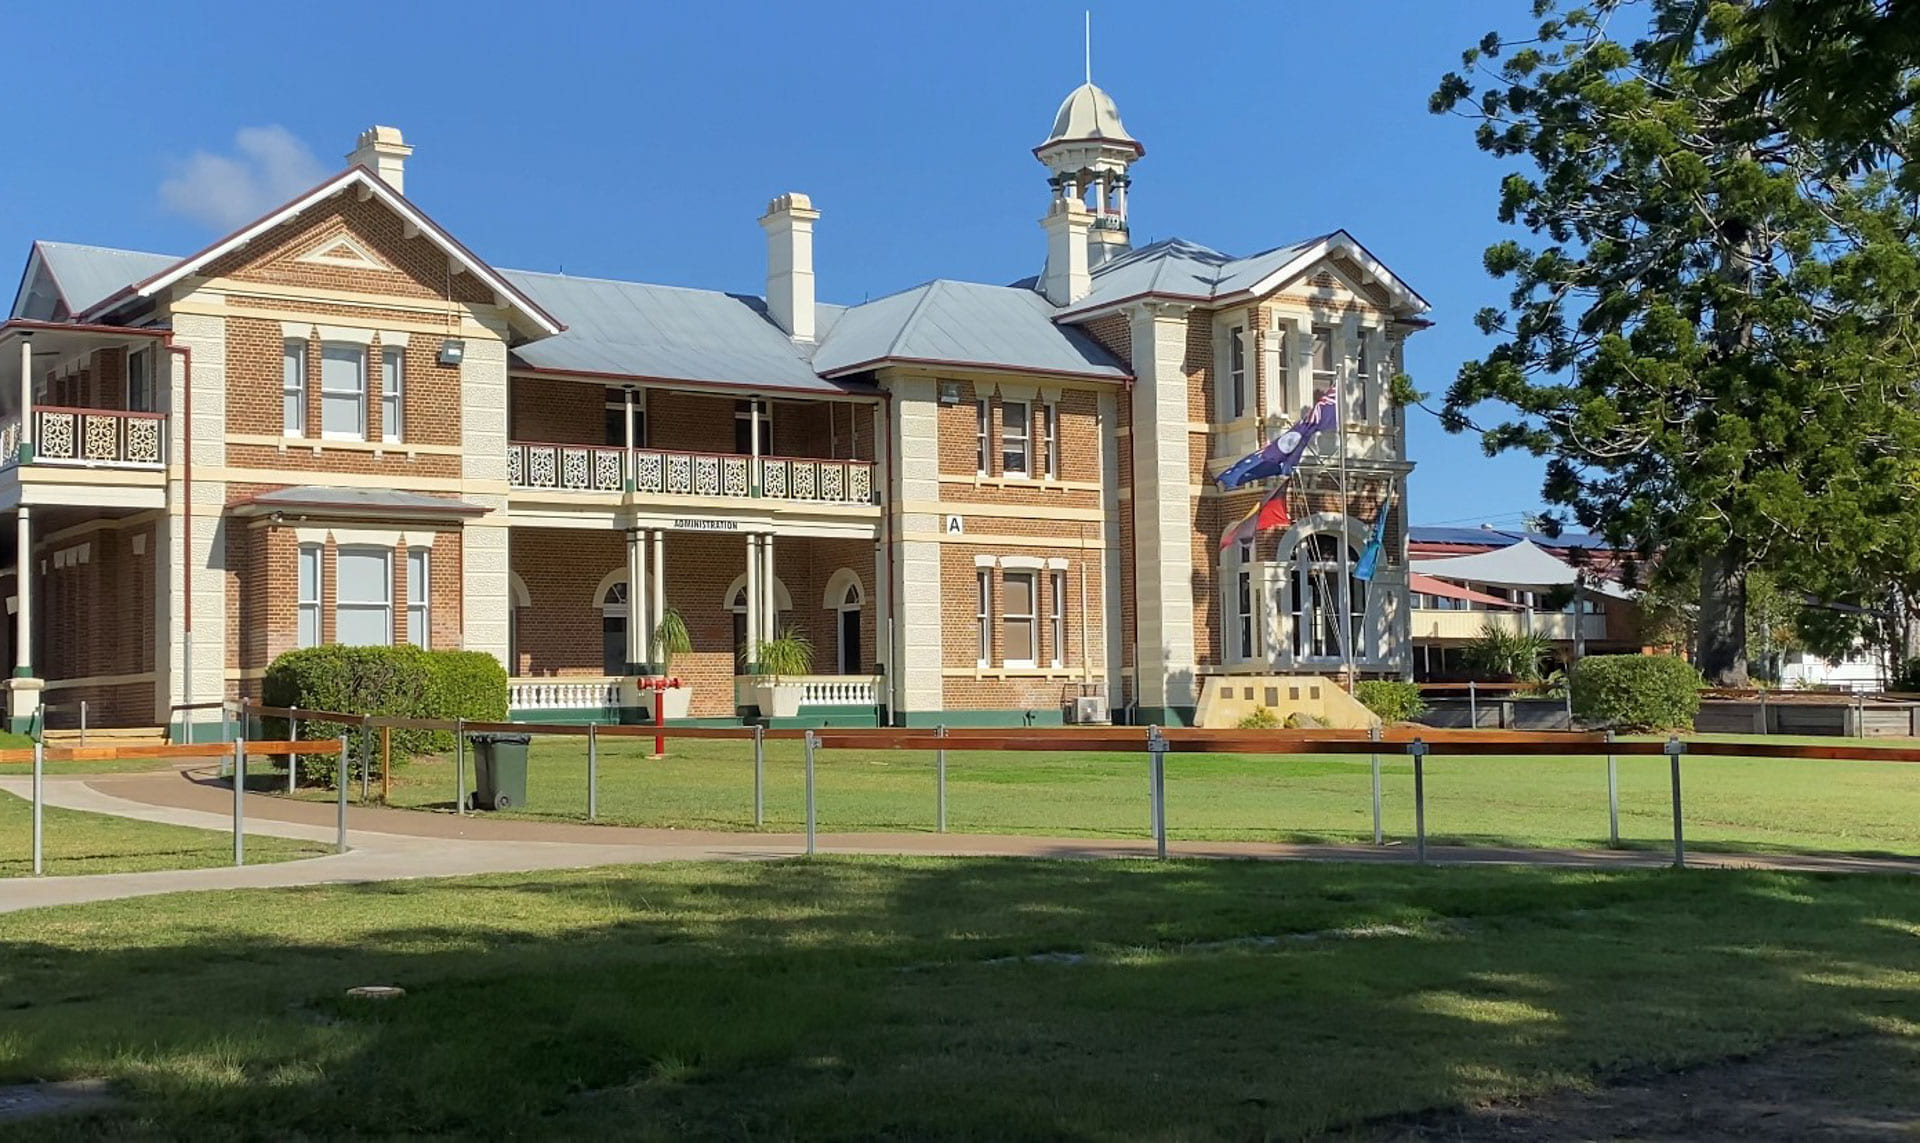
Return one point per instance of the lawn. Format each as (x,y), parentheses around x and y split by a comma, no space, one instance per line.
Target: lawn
(928,999)
(77,842)
(1736,804)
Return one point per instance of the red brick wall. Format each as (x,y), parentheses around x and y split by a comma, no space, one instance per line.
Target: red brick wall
(97,619)
(550,411)
(418,267)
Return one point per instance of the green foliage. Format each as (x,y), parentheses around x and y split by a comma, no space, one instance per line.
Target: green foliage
(401,682)
(670,639)
(1636,692)
(1553,684)
(1499,655)
(789,653)
(1301,720)
(1392,700)
(1906,680)
(1710,333)
(1262,718)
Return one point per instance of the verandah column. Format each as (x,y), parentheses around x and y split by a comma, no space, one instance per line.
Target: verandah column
(658,611)
(769,608)
(753,602)
(24,698)
(637,593)
(27,439)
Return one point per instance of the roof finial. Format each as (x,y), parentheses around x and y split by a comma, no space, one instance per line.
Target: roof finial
(1089,14)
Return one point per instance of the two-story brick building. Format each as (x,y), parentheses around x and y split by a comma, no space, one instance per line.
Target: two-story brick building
(339,424)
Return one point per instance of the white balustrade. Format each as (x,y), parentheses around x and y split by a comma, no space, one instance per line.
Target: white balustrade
(92,437)
(662,472)
(836,690)
(563,694)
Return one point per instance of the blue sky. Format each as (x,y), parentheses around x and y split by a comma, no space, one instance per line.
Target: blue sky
(642,140)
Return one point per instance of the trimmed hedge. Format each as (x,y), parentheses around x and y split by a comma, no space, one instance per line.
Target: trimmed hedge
(1393,701)
(404,682)
(1636,692)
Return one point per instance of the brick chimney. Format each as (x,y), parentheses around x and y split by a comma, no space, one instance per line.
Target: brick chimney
(1067,280)
(789,225)
(382,151)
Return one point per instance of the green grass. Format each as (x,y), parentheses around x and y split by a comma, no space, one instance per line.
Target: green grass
(117,766)
(876,998)
(77,842)
(1730,804)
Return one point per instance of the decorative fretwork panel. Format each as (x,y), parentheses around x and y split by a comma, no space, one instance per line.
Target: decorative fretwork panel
(773,479)
(734,475)
(706,475)
(56,436)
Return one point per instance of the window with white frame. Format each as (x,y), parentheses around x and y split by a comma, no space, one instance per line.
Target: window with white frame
(1050,428)
(393,387)
(343,391)
(1017,619)
(140,395)
(363,596)
(1016,438)
(983,611)
(982,419)
(1237,372)
(1362,380)
(417,597)
(1243,601)
(1057,618)
(293,388)
(1325,375)
(309,595)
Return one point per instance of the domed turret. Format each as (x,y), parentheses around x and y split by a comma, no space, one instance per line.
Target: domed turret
(1089,153)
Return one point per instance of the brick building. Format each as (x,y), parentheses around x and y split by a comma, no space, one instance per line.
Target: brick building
(978,502)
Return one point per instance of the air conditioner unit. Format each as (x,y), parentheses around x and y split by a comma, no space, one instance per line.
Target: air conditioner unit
(1090,709)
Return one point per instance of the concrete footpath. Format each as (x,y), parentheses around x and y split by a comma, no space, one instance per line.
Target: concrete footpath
(386,844)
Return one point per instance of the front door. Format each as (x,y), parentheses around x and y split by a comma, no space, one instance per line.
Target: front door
(849,642)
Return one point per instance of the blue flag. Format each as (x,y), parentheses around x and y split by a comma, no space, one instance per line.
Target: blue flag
(1370,555)
(1281,455)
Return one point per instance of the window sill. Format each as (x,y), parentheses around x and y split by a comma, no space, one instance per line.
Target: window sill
(1032,483)
(1012,672)
(342,444)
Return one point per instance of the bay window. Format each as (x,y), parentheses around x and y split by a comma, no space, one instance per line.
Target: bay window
(308,591)
(363,608)
(417,597)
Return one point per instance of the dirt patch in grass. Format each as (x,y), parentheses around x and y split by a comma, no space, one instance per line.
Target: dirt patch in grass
(1860,1088)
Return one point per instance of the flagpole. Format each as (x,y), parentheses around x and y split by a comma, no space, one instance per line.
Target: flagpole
(1346,569)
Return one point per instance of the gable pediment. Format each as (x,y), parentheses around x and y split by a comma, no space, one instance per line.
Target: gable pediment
(342,249)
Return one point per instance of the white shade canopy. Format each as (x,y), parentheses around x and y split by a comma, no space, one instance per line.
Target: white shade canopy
(1523,565)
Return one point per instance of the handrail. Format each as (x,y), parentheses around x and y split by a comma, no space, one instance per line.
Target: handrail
(134,413)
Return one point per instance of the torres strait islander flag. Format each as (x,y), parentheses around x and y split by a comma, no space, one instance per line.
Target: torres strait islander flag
(1269,513)
(1281,455)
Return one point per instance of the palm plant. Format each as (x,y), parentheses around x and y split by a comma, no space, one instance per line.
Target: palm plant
(1497,654)
(671,638)
(789,653)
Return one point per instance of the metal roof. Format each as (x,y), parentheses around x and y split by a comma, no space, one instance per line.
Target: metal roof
(963,324)
(1500,538)
(86,275)
(667,333)
(1088,113)
(358,501)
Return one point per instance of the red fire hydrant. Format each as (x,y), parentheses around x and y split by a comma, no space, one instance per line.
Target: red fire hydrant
(660,686)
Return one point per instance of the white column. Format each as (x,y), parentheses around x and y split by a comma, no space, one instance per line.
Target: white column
(658,612)
(1120,197)
(637,627)
(27,438)
(753,597)
(23,586)
(1163,511)
(769,603)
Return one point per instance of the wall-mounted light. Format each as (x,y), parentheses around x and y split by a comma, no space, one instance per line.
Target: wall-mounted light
(452,350)
(949,392)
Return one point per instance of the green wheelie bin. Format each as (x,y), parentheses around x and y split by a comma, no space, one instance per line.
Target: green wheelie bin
(499,770)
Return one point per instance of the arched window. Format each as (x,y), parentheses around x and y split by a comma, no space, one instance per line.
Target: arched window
(613,628)
(1321,592)
(846,599)
(737,603)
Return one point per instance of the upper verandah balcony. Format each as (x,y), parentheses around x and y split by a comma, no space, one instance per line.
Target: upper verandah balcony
(572,437)
(93,397)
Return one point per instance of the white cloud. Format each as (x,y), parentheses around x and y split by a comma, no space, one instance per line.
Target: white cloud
(268,166)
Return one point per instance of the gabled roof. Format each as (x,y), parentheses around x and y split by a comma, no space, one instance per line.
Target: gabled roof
(647,332)
(81,276)
(538,320)
(1187,271)
(963,324)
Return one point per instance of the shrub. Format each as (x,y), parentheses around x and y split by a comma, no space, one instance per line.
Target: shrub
(1261,719)
(1906,680)
(1300,720)
(1393,701)
(1499,654)
(402,682)
(791,653)
(1636,692)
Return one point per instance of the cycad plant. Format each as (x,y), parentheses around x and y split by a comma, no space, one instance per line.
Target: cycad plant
(789,653)
(1506,655)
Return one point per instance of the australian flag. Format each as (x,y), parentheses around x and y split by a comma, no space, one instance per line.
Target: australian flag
(1281,455)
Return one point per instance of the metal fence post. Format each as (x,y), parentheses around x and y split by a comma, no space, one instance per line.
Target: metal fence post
(293,732)
(239,799)
(83,722)
(366,761)
(1675,748)
(1473,706)
(39,803)
(1613,796)
(340,834)
(811,741)
(1157,755)
(1379,834)
(459,765)
(759,774)
(593,772)
(1418,749)
(940,778)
